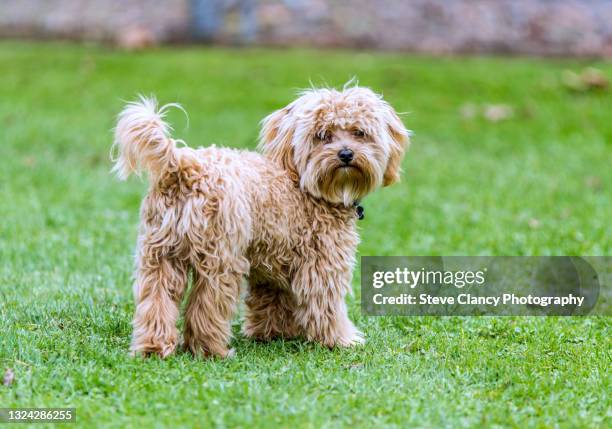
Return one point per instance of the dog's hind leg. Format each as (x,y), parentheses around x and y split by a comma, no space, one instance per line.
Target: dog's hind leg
(212,301)
(159,287)
(269,313)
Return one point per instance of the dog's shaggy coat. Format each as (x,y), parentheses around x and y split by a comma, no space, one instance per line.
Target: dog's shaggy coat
(284,219)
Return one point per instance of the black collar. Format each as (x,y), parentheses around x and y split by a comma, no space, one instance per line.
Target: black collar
(359,209)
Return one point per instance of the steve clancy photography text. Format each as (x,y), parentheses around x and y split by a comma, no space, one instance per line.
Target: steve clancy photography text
(484,285)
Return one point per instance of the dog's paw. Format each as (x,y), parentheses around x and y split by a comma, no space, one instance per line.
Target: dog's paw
(347,336)
(161,348)
(206,350)
(354,338)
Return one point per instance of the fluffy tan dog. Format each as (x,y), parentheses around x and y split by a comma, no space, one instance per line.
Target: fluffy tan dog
(285,219)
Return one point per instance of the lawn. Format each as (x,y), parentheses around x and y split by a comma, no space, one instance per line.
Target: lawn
(530,176)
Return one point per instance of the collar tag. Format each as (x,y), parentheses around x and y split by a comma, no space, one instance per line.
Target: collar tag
(359,209)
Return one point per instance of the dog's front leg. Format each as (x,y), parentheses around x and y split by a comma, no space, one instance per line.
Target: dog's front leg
(321,311)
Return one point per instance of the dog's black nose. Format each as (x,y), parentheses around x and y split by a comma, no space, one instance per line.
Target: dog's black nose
(345,155)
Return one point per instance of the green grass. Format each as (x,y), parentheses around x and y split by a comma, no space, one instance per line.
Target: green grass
(538,183)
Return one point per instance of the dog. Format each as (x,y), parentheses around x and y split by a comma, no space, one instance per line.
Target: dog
(283,218)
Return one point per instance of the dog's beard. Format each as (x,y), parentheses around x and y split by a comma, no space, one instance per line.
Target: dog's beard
(338,183)
(346,184)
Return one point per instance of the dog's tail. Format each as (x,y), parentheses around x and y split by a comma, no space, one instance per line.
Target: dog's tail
(142,140)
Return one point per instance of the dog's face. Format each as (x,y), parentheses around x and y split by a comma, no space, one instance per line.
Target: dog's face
(339,146)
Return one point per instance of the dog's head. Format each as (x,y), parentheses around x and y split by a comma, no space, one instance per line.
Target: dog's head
(338,145)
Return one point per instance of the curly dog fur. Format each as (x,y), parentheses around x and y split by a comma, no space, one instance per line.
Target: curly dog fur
(284,219)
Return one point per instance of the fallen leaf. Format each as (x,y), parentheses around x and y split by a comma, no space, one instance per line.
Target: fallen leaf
(534,223)
(9,377)
(498,112)
(29,161)
(589,78)
(594,78)
(593,182)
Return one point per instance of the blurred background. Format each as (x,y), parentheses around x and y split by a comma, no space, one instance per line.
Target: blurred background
(540,27)
(511,156)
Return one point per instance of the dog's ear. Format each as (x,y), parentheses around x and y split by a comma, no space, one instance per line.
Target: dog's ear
(275,138)
(398,138)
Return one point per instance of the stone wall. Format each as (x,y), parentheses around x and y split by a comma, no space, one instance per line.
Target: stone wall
(98,20)
(548,27)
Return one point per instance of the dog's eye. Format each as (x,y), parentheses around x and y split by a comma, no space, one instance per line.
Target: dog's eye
(359,133)
(324,136)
